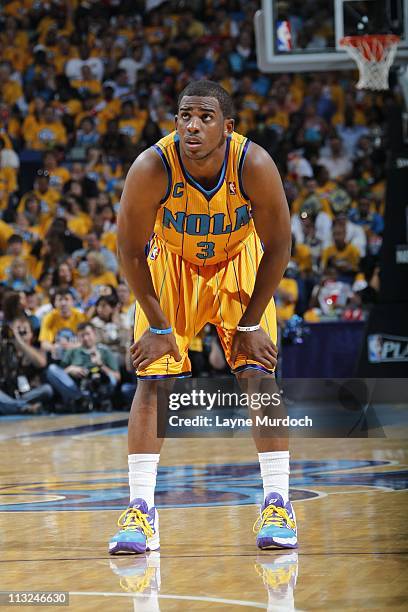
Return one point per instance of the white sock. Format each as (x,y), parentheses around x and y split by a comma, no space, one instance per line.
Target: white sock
(142,476)
(275,473)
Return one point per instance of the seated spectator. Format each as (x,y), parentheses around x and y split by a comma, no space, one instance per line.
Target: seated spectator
(15,249)
(63,278)
(74,66)
(21,365)
(87,83)
(339,202)
(307,234)
(314,126)
(125,297)
(129,124)
(335,159)
(116,144)
(18,277)
(8,157)
(50,131)
(84,291)
(47,196)
(325,186)
(301,256)
(11,91)
(286,296)
(98,273)
(79,221)
(133,63)
(86,135)
(8,186)
(62,316)
(329,297)
(59,175)
(6,231)
(343,256)
(364,216)
(109,327)
(93,244)
(88,373)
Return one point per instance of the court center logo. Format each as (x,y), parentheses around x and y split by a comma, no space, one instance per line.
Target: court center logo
(190,486)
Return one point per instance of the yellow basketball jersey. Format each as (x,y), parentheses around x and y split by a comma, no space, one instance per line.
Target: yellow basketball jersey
(204,226)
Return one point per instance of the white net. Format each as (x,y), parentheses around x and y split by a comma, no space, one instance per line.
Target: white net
(374,56)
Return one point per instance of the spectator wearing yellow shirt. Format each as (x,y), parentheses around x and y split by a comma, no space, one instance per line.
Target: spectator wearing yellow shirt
(8,184)
(62,316)
(63,53)
(34,118)
(129,124)
(286,297)
(98,273)
(14,37)
(31,218)
(87,83)
(47,133)
(276,117)
(302,256)
(5,232)
(108,108)
(342,256)
(125,297)
(15,249)
(10,90)
(47,196)
(58,174)
(164,120)
(79,222)
(325,186)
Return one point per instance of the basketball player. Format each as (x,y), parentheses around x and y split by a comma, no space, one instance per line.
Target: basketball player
(211,207)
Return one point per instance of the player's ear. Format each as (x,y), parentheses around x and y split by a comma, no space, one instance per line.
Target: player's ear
(175,120)
(229,126)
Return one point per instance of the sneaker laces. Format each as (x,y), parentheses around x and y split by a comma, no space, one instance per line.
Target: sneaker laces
(133,519)
(274,577)
(138,584)
(273,515)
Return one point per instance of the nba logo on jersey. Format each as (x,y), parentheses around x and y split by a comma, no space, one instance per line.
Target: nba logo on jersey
(284,36)
(154,253)
(232,188)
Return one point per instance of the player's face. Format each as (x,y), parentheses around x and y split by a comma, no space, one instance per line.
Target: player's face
(201,126)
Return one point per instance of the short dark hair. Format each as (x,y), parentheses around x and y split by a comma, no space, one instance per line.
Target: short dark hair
(14,238)
(84,325)
(62,291)
(209,89)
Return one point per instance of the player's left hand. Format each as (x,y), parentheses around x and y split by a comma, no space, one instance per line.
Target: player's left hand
(256,346)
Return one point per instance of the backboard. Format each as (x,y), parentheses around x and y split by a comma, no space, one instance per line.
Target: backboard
(303,35)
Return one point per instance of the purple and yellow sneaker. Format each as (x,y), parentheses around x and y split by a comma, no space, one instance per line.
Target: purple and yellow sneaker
(139,530)
(276,525)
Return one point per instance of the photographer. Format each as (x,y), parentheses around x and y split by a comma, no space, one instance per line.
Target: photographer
(88,374)
(21,367)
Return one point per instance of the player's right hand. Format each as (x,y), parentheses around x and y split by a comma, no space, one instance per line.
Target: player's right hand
(150,347)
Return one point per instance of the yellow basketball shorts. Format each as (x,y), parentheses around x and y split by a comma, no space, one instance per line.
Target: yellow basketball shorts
(191,296)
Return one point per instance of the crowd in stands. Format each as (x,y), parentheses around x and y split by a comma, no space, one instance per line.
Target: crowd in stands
(85,86)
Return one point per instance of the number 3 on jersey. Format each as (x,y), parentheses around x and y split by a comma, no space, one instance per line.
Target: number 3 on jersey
(207,250)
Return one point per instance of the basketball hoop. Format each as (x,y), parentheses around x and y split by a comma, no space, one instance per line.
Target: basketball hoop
(374,55)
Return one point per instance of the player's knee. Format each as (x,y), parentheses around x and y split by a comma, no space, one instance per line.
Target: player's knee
(151,393)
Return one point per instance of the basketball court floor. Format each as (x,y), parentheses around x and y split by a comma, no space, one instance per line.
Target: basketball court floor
(63,483)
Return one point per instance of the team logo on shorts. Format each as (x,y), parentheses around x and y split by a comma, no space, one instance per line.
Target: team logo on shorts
(232,188)
(154,253)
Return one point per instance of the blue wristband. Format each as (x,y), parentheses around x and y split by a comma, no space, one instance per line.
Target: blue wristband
(161,332)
